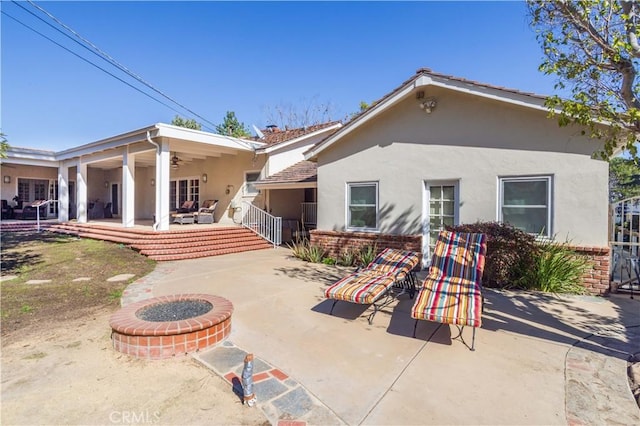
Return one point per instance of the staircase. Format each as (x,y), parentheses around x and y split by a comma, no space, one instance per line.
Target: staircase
(162,246)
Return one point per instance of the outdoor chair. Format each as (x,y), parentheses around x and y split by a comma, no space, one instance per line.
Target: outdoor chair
(208,206)
(187,207)
(452,291)
(205,213)
(385,278)
(108,214)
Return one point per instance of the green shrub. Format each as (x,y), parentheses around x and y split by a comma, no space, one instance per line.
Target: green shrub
(367,254)
(558,269)
(329,261)
(347,257)
(300,249)
(316,254)
(510,253)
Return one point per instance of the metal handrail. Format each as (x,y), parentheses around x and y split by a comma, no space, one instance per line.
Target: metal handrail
(44,203)
(262,223)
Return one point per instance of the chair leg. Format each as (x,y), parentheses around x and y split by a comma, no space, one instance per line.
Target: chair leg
(473,340)
(414,329)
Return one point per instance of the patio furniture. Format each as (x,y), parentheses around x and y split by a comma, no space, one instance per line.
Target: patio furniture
(452,291)
(30,212)
(96,210)
(7,210)
(388,276)
(203,217)
(187,207)
(183,218)
(107,211)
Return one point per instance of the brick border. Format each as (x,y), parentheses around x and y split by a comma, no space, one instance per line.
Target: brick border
(158,340)
(334,242)
(595,279)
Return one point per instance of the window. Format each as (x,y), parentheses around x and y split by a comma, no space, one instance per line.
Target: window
(442,210)
(525,203)
(249,179)
(362,206)
(182,190)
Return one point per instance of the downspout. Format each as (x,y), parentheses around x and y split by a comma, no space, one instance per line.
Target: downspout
(155,221)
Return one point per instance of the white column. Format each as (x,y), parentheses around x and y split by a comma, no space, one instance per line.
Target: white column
(128,188)
(81,192)
(63,193)
(163,171)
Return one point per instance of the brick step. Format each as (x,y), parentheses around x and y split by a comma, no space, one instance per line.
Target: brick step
(255,242)
(195,242)
(198,254)
(24,226)
(137,235)
(158,245)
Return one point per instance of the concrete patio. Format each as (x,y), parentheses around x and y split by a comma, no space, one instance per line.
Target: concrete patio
(539,359)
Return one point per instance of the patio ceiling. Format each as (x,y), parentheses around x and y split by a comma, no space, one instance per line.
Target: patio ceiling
(186,151)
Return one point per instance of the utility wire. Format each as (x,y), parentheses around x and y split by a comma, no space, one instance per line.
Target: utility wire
(89,62)
(107,57)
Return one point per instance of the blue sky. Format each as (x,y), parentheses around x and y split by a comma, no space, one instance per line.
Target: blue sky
(246,57)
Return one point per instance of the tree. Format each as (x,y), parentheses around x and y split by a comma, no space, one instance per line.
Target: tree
(188,123)
(308,112)
(4,146)
(232,127)
(592,47)
(624,178)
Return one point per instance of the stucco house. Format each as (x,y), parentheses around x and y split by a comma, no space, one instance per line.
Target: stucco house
(441,150)
(142,176)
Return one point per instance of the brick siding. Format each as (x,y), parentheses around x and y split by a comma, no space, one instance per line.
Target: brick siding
(596,277)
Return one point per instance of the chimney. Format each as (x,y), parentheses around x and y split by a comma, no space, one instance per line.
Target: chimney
(273,128)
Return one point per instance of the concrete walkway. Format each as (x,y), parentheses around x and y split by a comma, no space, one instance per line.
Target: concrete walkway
(538,360)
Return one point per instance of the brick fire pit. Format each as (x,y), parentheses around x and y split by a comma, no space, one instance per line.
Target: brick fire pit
(159,339)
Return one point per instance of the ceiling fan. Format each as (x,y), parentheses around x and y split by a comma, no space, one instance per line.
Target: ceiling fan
(175,161)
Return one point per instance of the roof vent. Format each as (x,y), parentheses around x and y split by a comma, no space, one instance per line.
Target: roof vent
(421,70)
(272,128)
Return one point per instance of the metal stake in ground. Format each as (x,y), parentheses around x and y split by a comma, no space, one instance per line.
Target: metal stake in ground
(247,381)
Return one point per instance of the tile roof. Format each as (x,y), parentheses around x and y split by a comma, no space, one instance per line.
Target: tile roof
(301,172)
(273,135)
(429,72)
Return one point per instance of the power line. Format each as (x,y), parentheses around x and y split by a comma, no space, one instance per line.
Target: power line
(88,61)
(110,59)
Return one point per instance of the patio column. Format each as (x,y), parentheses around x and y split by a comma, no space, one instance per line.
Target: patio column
(63,193)
(81,191)
(163,171)
(128,188)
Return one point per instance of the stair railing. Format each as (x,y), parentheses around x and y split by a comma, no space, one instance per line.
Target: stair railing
(44,203)
(262,223)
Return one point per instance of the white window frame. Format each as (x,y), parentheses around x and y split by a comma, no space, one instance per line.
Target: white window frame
(426,214)
(246,186)
(189,194)
(348,187)
(548,231)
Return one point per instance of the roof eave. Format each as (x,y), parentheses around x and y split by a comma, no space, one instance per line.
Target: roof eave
(425,80)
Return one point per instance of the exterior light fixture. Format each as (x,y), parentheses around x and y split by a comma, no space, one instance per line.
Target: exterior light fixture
(205,177)
(428,105)
(106,184)
(153,182)
(7,179)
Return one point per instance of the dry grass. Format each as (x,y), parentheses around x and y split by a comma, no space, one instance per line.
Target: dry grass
(62,259)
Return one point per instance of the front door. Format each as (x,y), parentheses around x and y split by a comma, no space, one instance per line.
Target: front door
(440,210)
(115,205)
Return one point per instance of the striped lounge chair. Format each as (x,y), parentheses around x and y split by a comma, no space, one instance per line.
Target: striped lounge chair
(386,277)
(452,291)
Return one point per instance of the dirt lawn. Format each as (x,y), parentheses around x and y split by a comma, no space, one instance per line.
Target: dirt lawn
(68,373)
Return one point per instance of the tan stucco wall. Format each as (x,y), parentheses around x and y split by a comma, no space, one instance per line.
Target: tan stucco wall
(285,203)
(472,141)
